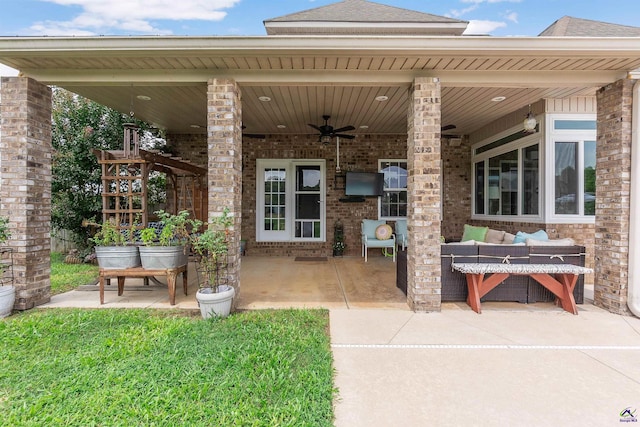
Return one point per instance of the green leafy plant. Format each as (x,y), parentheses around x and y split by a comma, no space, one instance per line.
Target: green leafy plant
(149,236)
(4,236)
(211,247)
(339,246)
(176,230)
(108,234)
(4,229)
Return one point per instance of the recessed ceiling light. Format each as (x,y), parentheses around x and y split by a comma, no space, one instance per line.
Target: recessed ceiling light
(195,126)
(364,127)
(264,98)
(143,98)
(381,98)
(281,126)
(498,98)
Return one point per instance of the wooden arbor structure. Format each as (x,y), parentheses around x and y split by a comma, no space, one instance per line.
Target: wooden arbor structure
(125,176)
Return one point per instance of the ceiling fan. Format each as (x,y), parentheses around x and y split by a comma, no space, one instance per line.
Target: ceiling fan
(327,132)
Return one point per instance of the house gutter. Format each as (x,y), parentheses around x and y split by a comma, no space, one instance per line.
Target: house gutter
(633,295)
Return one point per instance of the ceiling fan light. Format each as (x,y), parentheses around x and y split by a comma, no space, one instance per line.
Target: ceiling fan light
(325,139)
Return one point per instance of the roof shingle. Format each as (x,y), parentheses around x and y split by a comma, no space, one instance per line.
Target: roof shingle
(568,26)
(378,17)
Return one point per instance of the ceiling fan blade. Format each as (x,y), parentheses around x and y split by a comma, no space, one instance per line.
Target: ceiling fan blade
(344,129)
(447,127)
(342,135)
(315,127)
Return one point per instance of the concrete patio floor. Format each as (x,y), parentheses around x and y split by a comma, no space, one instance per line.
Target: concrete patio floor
(267,282)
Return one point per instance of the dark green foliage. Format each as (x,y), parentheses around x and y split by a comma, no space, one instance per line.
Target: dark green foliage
(80,125)
(152,368)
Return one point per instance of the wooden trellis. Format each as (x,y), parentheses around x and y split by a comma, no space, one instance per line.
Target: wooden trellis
(125,175)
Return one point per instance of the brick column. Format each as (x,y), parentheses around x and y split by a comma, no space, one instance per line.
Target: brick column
(613,176)
(423,186)
(25,191)
(224,144)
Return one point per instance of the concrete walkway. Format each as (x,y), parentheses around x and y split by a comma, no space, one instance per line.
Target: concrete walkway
(518,366)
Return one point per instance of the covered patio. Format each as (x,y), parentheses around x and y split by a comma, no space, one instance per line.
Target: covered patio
(267,282)
(282,282)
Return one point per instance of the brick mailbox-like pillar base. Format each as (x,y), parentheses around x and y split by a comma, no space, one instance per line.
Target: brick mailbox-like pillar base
(224,142)
(25,192)
(423,185)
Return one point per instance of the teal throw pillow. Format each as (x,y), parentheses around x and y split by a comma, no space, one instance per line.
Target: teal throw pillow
(472,232)
(522,237)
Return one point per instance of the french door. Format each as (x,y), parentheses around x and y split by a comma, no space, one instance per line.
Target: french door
(290,200)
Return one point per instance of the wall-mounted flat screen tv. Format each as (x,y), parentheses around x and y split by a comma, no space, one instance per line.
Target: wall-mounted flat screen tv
(369,184)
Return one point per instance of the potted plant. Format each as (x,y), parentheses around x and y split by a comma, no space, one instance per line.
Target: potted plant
(168,247)
(338,239)
(7,290)
(211,246)
(114,248)
(339,248)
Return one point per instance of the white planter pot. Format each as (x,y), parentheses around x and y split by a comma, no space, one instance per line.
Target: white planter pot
(158,257)
(117,257)
(215,303)
(7,299)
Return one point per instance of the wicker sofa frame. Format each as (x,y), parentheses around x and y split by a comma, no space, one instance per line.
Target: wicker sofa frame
(521,289)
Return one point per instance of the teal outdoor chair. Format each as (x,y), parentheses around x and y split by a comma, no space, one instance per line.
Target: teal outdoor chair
(370,239)
(401,233)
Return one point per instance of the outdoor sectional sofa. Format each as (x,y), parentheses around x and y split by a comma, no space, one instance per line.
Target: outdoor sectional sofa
(521,289)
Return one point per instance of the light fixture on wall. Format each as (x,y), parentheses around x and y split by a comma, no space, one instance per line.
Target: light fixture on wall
(530,122)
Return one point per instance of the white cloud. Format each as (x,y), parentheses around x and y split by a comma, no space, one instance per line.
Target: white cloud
(479,27)
(132,16)
(456,13)
(7,71)
(511,16)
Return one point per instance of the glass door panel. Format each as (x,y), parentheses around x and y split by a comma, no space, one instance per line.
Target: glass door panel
(308,202)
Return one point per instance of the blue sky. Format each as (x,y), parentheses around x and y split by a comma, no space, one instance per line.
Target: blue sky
(244,17)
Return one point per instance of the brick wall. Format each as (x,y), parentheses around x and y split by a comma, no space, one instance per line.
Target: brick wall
(25,150)
(424,213)
(224,150)
(360,154)
(456,186)
(613,176)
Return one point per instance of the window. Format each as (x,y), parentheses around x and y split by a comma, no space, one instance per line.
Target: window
(507,178)
(548,176)
(393,202)
(290,202)
(572,192)
(575,178)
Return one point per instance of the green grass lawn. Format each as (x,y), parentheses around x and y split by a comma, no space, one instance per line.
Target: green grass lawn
(164,368)
(66,277)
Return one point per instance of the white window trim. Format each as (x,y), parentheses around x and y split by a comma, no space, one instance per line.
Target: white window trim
(289,165)
(566,135)
(520,144)
(392,218)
